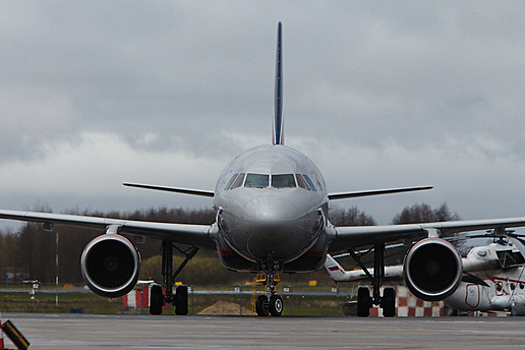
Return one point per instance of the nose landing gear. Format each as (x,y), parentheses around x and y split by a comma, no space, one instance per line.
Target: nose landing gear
(276,305)
(269,303)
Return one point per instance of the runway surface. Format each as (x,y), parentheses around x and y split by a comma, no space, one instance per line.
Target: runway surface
(77,331)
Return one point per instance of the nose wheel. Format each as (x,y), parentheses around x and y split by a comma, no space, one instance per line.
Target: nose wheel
(276,305)
(273,306)
(262,306)
(269,303)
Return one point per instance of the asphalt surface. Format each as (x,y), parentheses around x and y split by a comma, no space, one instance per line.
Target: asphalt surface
(79,331)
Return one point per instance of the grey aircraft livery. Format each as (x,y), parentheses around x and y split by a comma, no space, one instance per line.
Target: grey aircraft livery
(271,206)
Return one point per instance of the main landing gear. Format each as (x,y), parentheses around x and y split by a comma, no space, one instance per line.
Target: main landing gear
(269,303)
(364,301)
(179,299)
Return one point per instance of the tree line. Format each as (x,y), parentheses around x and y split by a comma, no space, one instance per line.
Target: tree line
(30,253)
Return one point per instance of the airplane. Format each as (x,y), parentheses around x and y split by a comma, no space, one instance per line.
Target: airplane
(271,205)
(493,277)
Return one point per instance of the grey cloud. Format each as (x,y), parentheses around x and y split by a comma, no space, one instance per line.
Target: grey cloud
(198,78)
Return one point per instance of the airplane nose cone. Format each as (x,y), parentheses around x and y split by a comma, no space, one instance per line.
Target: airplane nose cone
(270,209)
(272,225)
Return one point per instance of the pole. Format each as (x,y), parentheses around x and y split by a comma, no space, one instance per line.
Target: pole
(56,277)
(240,300)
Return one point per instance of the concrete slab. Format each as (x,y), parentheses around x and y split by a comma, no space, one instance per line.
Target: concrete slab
(81,331)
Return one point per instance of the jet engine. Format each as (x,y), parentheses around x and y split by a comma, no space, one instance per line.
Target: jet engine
(433,269)
(110,265)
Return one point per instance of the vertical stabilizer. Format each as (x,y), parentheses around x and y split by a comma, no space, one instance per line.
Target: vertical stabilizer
(278,138)
(335,270)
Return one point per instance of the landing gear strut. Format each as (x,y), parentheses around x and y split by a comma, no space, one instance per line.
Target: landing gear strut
(364,301)
(180,298)
(271,302)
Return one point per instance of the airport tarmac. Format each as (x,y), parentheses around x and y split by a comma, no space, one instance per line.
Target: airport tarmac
(79,331)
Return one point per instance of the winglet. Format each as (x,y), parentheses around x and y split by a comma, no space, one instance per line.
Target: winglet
(278,137)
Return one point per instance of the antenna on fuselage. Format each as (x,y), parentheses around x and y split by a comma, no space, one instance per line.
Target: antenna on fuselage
(278,137)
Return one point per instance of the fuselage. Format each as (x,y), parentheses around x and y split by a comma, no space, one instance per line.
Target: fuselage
(271,204)
(501,267)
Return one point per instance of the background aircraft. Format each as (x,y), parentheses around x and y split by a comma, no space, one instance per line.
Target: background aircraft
(493,278)
(272,205)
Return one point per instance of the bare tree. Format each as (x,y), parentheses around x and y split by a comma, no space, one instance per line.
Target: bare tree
(351,217)
(421,213)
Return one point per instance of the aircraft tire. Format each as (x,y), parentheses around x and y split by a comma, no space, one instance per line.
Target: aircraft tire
(157,300)
(181,300)
(388,303)
(276,305)
(262,306)
(364,302)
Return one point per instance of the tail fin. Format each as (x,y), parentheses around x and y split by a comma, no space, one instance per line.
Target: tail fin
(336,271)
(278,137)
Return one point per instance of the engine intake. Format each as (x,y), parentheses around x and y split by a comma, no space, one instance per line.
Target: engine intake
(433,269)
(110,265)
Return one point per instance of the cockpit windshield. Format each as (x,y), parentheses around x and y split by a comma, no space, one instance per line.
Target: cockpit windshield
(238,181)
(301,182)
(310,183)
(257,180)
(277,181)
(283,181)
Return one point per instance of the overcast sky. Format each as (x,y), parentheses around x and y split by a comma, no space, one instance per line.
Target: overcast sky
(378,94)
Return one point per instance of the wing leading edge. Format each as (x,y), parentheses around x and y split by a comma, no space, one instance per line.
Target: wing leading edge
(171,189)
(355,194)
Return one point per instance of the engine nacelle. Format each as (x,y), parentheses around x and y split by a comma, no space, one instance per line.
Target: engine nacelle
(110,265)
(433,269)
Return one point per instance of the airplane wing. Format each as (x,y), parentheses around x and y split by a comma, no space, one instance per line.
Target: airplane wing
(358,236)
(196,235)
(356,194)
(172,189)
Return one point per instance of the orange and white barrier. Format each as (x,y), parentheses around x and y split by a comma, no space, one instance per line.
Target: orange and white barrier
(410,306)
(407,305)
(139,298)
